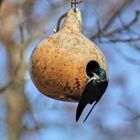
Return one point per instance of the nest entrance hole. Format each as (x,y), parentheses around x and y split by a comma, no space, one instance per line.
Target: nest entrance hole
(90,68)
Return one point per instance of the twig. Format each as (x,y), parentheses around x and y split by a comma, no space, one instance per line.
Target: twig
(114,40)
(128,59)
(125,26)
(99,30)
(137,48)
(22,40)
(38,124)
(76,2)
(111,20)
(133,111)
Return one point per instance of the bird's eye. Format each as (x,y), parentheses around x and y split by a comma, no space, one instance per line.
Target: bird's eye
(91,66)
(96,70)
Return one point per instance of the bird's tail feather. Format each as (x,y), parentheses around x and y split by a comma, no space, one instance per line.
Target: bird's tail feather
(79,110)
(90,111)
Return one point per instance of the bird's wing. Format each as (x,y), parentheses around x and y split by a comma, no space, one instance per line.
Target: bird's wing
(102,87)
(87,97)
(80,108)
(93,92)
(90,110)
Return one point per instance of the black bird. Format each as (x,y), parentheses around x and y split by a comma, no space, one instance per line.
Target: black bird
(93,91)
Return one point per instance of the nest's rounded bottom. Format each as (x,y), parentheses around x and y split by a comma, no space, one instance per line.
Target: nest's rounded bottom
(66,98)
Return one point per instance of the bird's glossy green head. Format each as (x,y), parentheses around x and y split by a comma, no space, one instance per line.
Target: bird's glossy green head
(101,73)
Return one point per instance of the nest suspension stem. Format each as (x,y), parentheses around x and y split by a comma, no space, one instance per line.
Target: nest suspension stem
(74,4)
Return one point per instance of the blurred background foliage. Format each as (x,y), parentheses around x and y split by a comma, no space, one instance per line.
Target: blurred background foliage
(25,114)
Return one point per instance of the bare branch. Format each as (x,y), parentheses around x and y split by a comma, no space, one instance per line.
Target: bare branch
(111,20)
(137,48)
(127,40)
(127,58)
(15,72)
(135,114)
(125,27)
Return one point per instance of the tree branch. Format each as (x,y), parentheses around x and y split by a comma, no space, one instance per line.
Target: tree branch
(111,20)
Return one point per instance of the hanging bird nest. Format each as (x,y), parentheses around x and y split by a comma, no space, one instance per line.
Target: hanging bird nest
(60,65)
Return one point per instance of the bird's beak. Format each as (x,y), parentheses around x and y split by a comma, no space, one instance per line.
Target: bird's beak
(96,76)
